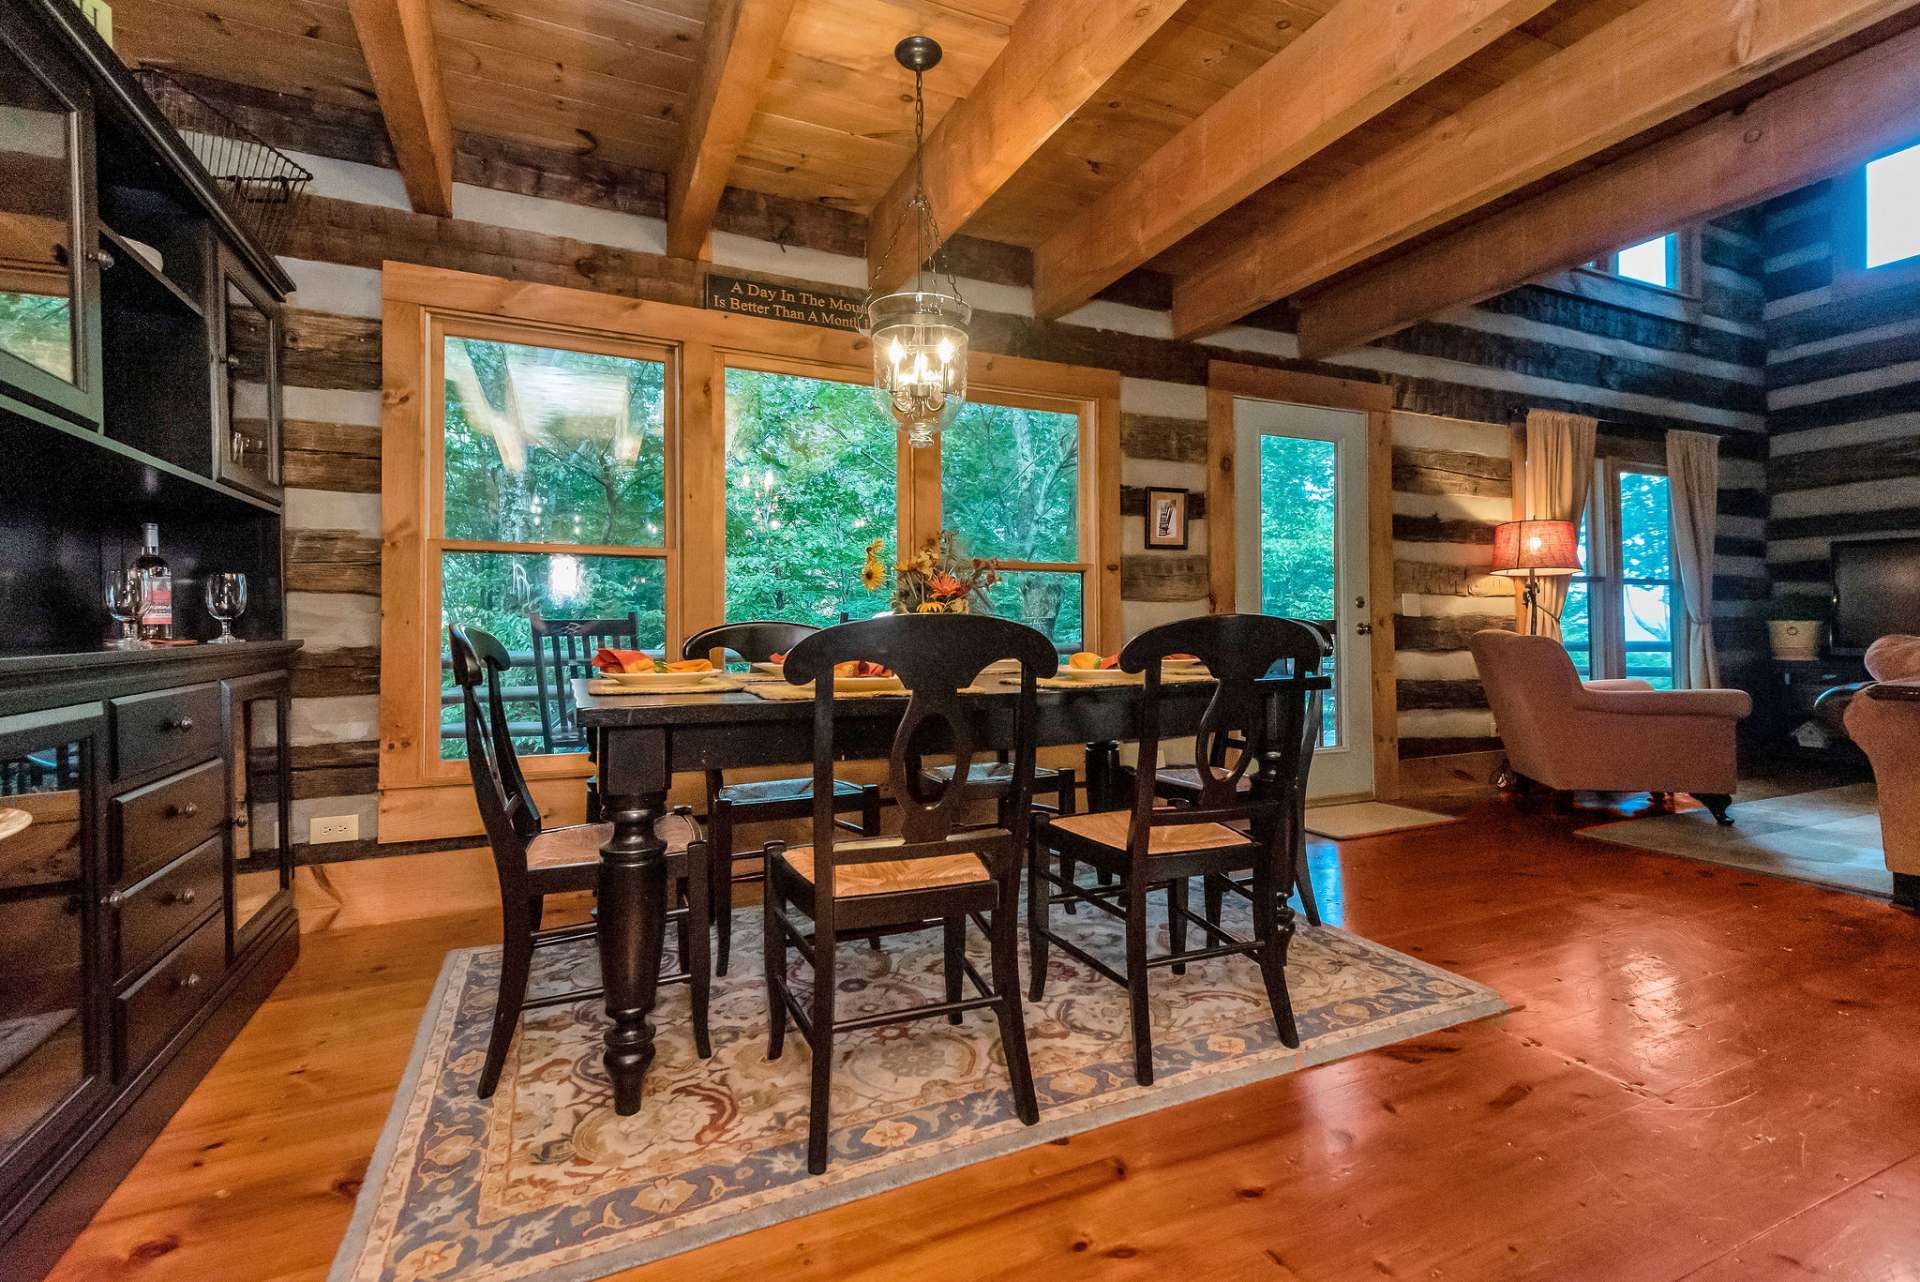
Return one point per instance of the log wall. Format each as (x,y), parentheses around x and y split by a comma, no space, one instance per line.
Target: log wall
(1459,382)
(1843,393)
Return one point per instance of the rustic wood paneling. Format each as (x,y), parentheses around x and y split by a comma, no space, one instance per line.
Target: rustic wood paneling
(333,561)
(1161,576)
(319,674)
(330,456)
(1427,578)
(1440,529)
(1151,436)
(1441,695)
(1444,632)
(1418,471)
(1867,461)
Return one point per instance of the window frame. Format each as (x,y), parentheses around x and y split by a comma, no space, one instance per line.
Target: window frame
(422,795)
(1847,237)
(1683,301)
(1606,578)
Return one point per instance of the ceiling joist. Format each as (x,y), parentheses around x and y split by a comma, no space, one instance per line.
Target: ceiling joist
(1644,68)
(396,39)
(1835,119)
(1353,64)
(1058,55)
(738,49)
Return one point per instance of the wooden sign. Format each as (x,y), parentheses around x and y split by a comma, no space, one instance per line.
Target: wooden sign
(793,303)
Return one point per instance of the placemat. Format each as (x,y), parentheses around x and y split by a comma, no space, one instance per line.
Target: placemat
(1116,678)
(721,682)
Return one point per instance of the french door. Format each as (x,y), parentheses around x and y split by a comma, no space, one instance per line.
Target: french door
(1302,513)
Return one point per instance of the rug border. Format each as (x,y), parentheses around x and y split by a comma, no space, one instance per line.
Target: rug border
(1437,821)
(1481,1002)
(1597,832)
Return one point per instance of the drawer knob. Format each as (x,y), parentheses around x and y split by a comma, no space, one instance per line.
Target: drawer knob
(188,981)
(181,725)
(185,810)
(186,896)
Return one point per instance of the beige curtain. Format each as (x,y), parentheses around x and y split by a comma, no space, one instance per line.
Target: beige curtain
(1693,476)
(1559,474)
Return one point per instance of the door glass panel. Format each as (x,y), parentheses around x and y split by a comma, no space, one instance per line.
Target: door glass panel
(36,222)
(249,427)
(42,936)
(259,863)
(1299,542)
(811,466)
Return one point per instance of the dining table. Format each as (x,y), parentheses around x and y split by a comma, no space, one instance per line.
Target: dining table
(640,741)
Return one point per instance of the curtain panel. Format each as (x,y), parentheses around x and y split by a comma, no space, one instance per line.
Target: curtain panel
(1559,474)
(1693,475)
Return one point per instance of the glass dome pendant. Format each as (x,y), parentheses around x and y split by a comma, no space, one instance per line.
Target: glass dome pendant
(920,335)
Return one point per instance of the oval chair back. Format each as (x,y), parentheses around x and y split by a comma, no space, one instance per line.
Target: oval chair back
(753,642)
(507,807)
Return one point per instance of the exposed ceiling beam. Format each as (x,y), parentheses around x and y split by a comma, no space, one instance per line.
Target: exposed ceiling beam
(1058,55)
(1655,62)
(741,40)
(1830,121)
(1347,68)
(396,39)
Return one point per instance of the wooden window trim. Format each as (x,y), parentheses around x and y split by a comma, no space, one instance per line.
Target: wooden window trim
(1683,302)
(1227,381)
(699,345)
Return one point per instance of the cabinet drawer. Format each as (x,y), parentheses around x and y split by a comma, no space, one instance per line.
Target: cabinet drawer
(166,996)
(153,824)
(164,728)
(148,916)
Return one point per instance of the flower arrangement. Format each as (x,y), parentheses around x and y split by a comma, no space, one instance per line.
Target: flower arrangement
(934,580)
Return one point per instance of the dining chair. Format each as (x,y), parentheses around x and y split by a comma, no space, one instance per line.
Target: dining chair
(935,872)
(534,861)
(1151,846)
(1181,784)
(767,800)
(562,650)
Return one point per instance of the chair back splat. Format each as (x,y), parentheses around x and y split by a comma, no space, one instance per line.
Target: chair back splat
(1259,706)
(507,807)
(754,642)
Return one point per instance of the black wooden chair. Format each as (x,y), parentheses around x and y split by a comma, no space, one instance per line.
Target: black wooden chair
(1181,785)
(1151,846)
(771,799)
(562,650)
(934,871)
(534,861)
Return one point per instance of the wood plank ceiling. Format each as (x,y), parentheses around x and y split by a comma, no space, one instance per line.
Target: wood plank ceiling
(833,118)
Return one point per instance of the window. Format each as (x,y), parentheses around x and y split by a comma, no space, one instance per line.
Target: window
(556,453)
(1620,618)
(1653,262)
(1893,208)
(552,501)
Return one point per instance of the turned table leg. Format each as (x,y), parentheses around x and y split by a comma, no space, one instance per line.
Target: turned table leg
(633,903)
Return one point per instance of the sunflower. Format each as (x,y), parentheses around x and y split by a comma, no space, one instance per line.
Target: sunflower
(929,607)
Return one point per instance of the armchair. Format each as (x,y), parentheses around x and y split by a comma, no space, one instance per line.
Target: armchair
(1607,736)
(1884,719)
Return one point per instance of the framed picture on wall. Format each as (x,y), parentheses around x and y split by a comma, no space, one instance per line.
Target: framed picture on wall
(1166,518)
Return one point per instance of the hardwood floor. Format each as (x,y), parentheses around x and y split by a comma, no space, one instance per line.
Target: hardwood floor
(1706,1075)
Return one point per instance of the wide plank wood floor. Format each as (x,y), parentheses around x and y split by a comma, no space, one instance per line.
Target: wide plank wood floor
(1706,1075)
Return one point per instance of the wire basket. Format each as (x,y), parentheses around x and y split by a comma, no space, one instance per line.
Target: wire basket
(263,186)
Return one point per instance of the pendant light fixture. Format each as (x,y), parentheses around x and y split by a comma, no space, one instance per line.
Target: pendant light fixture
(920,334)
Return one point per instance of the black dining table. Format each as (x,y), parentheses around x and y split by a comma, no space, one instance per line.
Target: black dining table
(642,740)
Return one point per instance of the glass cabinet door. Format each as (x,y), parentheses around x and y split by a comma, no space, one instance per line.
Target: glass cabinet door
(51,1054)
(261,803)
(247,453)
(49,327)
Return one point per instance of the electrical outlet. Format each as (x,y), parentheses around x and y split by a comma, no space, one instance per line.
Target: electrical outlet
(334,828)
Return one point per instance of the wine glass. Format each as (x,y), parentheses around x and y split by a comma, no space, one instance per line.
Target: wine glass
(126,596)
(226,601)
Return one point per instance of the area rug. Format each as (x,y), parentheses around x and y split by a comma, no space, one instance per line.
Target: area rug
(546,1181)
(1369,819)
(1830,838)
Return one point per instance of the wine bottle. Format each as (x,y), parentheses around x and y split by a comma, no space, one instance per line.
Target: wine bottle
(156,619)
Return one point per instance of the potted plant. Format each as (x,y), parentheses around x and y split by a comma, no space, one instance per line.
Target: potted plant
(1795,625)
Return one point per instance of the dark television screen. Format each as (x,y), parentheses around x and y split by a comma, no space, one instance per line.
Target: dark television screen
(1876,586)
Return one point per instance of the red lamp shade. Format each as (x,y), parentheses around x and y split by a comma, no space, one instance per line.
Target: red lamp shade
(1523,548)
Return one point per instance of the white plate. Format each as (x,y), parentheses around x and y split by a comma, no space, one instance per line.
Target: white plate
(1095,674)
(1181,665)
(658,682)
(771,669)
(849,685)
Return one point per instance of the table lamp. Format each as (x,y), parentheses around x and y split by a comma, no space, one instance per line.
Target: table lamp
(1530,549)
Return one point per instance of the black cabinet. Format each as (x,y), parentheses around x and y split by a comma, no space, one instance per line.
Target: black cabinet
(146,906)
(49,270)
(247,382)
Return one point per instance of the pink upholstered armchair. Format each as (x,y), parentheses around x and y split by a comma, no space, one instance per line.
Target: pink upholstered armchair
(1607,736)
(1884,719)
